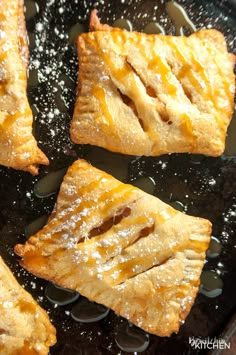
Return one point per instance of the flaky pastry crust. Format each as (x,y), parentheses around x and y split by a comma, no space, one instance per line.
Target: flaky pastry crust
(143,94)
(121,247)
(18,147)
(24,326)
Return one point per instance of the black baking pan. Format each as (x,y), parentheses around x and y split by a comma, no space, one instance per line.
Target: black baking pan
(196,184)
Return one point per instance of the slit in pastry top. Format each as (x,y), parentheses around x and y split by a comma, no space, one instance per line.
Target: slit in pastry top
(18,147)
(182,89)
(121,247)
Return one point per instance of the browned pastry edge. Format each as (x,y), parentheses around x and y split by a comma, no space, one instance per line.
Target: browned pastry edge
(95,122)
(52,252)
(96,25)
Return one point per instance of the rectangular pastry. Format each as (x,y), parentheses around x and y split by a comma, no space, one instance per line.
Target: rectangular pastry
(24,326)
(18,147)
(121,247)
(143,94)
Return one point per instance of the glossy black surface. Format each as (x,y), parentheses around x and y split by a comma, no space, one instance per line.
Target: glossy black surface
(60,296)
(86,311)
(203,186)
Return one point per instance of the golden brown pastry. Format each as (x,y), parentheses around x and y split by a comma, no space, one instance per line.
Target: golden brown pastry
(18,147)
(145,94)
(24,326)
(121,247)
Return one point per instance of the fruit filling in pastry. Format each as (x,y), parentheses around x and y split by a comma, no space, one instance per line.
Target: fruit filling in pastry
(122,248)
(143,94)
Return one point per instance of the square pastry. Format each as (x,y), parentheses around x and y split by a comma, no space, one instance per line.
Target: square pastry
(143,94)
(18,147)
(122,248)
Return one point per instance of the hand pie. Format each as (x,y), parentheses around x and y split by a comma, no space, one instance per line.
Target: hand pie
(121,247)
(24,325)
(18,147)
(142,94)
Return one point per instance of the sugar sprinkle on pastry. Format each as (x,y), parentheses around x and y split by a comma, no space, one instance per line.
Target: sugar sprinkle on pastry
(143,94)
(18,147)
(121,247)
(24,326)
